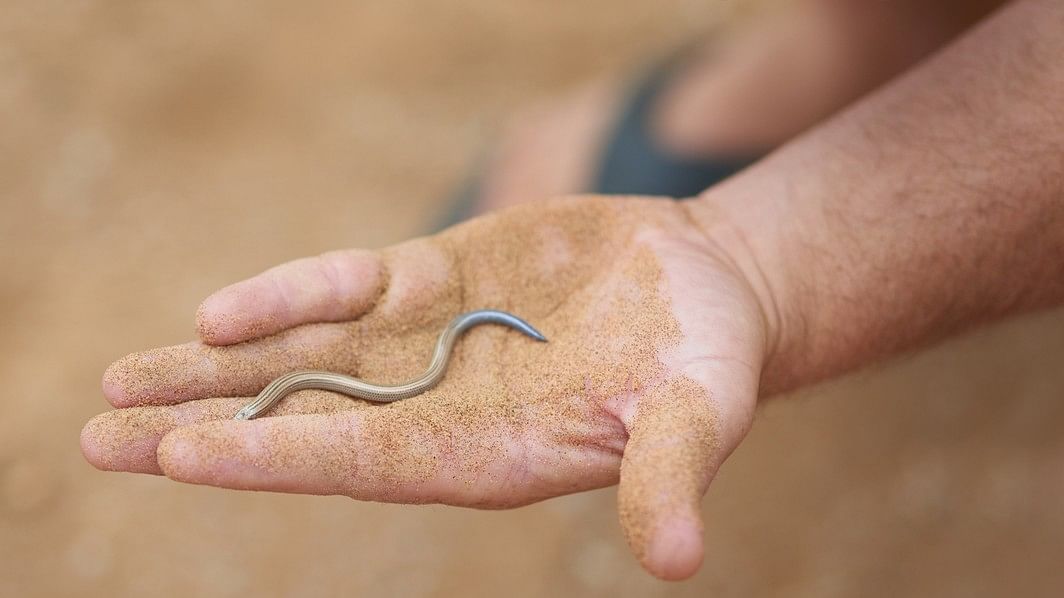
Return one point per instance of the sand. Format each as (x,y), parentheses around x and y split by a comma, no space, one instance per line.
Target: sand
(160,152)
(552,412)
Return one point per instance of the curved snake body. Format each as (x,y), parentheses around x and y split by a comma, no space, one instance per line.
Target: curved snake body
(378,393)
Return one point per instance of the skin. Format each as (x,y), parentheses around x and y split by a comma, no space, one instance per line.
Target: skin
(718,312)
(931,206)
(745,91)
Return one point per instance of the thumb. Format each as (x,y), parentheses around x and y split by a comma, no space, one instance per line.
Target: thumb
(674,448)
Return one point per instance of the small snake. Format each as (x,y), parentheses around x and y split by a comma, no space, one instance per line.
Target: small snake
(354,387)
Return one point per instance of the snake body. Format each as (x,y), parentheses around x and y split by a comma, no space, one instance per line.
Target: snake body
(354,387)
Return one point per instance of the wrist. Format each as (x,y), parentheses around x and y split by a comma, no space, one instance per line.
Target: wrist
(745,222)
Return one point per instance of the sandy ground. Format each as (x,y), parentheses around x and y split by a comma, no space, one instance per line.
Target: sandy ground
(151,152)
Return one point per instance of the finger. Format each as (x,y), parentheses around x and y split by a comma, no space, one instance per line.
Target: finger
(676,442)
(332,287)
(383,453)
(191,371)
(126,439)
(422,294)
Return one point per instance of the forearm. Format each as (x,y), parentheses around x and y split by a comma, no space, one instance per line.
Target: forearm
(934,204)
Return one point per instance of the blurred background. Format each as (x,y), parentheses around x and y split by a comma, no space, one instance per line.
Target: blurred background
(151,152)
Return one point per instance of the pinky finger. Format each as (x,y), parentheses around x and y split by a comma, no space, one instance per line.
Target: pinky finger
(331,287)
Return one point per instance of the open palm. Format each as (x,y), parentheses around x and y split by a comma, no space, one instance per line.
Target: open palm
(649,378)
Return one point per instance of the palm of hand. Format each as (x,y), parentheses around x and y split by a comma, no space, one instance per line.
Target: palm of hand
(650,375)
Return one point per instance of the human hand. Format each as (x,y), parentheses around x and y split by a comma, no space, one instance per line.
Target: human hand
(657,340)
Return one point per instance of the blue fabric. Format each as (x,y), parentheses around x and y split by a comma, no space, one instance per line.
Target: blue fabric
(632,163)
